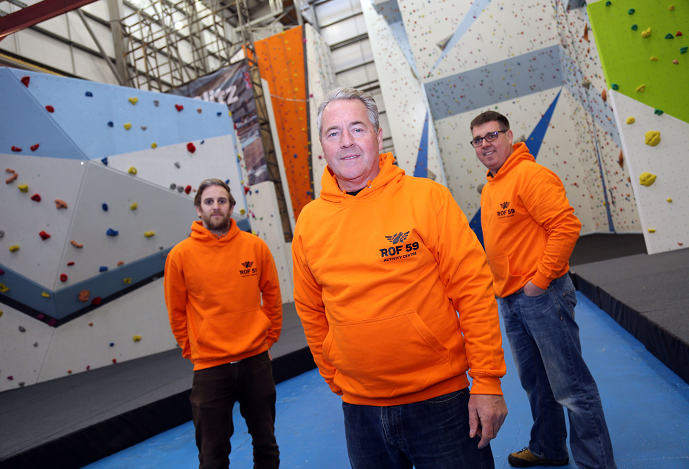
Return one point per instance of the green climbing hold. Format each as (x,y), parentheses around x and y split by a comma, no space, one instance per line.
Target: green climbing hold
(608,3)
(683,50)
(634,27)
(658,112)
(669,36)
(631,11)
(615,86)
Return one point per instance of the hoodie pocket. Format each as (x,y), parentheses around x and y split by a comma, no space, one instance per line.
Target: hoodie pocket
(231,334)
(386,357)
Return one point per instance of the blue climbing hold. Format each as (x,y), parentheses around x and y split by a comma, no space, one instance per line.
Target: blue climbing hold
(202,142)
(112,344)
(112,232)
(89,94)
(295,155)
(219,113)
(110,124)
(227,181)
(105,207)
(102,268)
(104,161)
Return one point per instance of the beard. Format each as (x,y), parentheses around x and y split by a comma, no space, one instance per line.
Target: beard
(221,223)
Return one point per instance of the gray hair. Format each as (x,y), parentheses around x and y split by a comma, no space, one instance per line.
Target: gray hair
(349,93)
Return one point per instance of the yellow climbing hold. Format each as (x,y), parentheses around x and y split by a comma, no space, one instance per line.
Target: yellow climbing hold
(669,200)
(630,120)
(154,145)
(651,230)
(127,281)
(136,338)
(14,248)
(1,313)
(242,211)
(148,234)
(127,126)
(647,179)
(132,170)
(654,59)
(671,7)
(641,89)
(23,188)
(133,100)
(133,206)
(646,33)
(4,288)
(652,138)
(45,295)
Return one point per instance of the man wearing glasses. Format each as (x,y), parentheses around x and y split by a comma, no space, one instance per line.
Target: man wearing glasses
(529,230)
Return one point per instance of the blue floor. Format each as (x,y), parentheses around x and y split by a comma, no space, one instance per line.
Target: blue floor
(646,406)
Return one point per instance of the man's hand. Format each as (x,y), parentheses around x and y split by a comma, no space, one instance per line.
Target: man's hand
(486,415)
(531,289)
(270,356)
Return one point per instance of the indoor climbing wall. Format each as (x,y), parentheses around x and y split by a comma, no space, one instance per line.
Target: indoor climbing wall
(99,187)
(407,109)
(644,56)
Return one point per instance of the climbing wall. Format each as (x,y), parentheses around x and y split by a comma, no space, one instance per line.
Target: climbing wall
(99,187)
(407,107)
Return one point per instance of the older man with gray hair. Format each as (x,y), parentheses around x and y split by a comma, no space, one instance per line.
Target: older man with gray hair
(396,300)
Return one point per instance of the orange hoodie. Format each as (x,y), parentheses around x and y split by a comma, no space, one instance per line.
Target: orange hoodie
(529,228)
(378,279)
(213,290)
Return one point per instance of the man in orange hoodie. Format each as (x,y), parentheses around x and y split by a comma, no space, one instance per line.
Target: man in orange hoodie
(395,297)
(529,230)
(214,283)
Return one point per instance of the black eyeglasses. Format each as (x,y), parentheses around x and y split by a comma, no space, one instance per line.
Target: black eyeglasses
(489,137)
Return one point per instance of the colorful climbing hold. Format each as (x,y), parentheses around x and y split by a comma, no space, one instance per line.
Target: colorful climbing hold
(608,3)
(127,280)
(179,107)
(658,112)
(219,113)
(630,120)
(76,245)
(44,235)
(156,102)
(647,179)
(96,301)
(11,178)
(70,263)
(646,33)
(246,189)
(133,100)
(669,200)
(143,127)
(669,36)
(88,94)
(114,360)
(132,170)
(187,189)
(63,277)
(679,34)
(104,161)
(191,147)
(105,207)
(133,206)
(103,268)
(110,124)
(634,27)
(136,338)
(242,211)
(683,50)
(59,203)
(26,80)
(45,295)
(120,263)
(652,138)
(154,145)
(50,109)
(34,147)
(14,248)
(23,188)
(675,62)
(671,7)
(199,110)
(177,164)
(180,188)
(16,149)
(615,86)
(112,232)
(173,186)
(641,89)
(4,288)
(651,230)
(631,11)
(83,296)
(127,126)
(36,198)
(149,234)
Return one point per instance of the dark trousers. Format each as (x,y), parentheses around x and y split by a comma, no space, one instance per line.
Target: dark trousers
(213,394)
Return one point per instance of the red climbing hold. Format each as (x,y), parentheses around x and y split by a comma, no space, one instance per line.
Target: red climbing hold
(34,147)
(70,264)
(63,277)
(191,147)
(36,198)
(50,109)
(16,148)
(52,322)
(114,360)
(246,190)
(26,80)
(679,33)
(187,189)
(44,235)
(96,301)
(179,107)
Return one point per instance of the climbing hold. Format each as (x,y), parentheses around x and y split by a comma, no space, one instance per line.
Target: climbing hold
(45,295)
(154,145)
(16,149)
(105,207)
(651,230)
(63,277)
(173,186)
(177,164)
(103,269)
(199,110)
(149,234)
(669,200)
(110,124)
(179,107)
(36,198)
(630,120)
(89,94)
(136,338)
(641,89)
(127,126)
(4,288)
(631,11)
(143,127)
(671,7)
(191,147)
(14,248)
(669,36)
(679,34)
(604,95)
(242,211)
(675,62)
(615,86)
(219,113)
(647,179)
(180,188)
(50,109)
(114,360)
(90,324)
(202,141)
(634,27)
(26,80)
(69,372)
(652,138)
(658,112)
(608,3)
(104,161)
(11,178)
(127,280)
(132,170)
(22,329)
(34,147)
(70,263)
(44,235)
(119,263)
(156,102)
(683,50)
(83,296)
(96,301)
(59,203)
(246,190)
(76,245)
(133,100)
(112,232)
(187,189)
(23,188)
(646,33)
(133,206)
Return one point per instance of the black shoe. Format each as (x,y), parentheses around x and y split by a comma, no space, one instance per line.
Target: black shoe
(525,458)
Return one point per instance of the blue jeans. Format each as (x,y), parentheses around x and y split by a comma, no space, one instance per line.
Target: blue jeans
(544,339)
(431,434)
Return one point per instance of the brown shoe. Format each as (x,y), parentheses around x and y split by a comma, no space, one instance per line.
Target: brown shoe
(525,458)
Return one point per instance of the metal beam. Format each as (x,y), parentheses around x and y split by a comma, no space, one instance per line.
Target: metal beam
(102,51)
(37,13)
(116,10)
